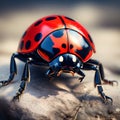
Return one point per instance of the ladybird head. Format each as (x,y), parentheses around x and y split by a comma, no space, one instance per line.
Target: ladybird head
(65,63)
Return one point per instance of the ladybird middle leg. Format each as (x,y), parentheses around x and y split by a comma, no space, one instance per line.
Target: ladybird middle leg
(101,70)
(24,80)
(97,81)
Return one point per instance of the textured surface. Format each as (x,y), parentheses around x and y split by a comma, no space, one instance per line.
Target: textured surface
(62,97)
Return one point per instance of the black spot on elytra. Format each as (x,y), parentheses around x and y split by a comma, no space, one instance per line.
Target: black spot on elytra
(69,18)
(56,50)
(24,34)
(38,23)
(58,33)
(38,37)
(21,45)
(50,18)
(63,45)
(28,44)
(71,46)
(84,52)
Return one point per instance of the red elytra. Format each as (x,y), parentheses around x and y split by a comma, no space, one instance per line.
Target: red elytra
(67,43)
(62,44)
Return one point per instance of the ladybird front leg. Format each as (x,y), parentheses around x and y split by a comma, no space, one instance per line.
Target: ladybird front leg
(50,73)
(53,71)
(13,71)
(77,69)
(79,72)
(25,79)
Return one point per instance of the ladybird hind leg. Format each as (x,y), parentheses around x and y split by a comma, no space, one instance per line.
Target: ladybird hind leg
(13,70)
(101,70)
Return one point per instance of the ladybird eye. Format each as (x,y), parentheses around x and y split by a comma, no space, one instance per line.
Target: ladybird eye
(61,59)
(74,59)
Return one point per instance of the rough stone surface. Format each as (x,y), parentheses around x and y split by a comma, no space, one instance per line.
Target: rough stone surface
(63,98)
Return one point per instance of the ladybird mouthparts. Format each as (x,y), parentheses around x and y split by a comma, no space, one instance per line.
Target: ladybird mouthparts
(66,71)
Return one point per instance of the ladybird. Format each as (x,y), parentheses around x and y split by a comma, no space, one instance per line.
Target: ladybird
(61,43)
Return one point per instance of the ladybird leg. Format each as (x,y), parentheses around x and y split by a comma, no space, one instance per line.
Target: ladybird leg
(79,72)
(50,73)
(97,81)
(24,80)
(53,71)
(13,70)
(101,70)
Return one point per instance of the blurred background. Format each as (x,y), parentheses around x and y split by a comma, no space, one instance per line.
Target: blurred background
(100,18)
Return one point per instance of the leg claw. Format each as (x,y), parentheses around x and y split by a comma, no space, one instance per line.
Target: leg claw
(16,97)
(107,99)
(81,79)
(4,83)
(116,82)
(110,82)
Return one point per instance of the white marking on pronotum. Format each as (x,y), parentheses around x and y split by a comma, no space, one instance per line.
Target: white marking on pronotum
(74,59)
(61,59)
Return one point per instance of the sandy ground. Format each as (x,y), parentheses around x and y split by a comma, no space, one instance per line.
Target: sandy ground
(65,98)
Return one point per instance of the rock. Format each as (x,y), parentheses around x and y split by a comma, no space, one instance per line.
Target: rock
(63,98)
